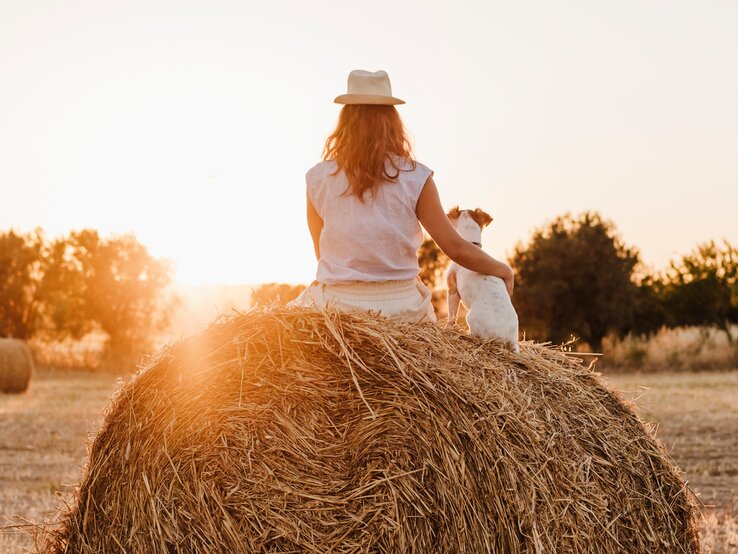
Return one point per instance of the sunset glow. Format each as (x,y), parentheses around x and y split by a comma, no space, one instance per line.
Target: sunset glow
(192,125)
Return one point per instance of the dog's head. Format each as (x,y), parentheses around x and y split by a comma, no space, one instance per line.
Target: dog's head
(469,223)
(479,216)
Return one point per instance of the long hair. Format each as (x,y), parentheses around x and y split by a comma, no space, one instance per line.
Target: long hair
(365,137)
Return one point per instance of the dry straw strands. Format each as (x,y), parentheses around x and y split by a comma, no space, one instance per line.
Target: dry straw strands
(291,430)
(16,365)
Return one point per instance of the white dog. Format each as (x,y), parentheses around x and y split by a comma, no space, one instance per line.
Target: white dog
(491,313)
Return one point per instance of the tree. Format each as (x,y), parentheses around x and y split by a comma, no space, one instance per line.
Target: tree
(433,263)
(648,314)
(702,288)
(65,288)
(121,286)
(575,276)
(21,266)
(62,290)
(279,293)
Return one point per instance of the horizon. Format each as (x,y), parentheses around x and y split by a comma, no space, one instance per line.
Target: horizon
(192,126)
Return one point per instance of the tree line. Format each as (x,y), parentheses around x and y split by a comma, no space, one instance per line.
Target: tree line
(574,277)
(64,288)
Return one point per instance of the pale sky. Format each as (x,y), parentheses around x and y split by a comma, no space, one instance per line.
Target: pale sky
(192,123)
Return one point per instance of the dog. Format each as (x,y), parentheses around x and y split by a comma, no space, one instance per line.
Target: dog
(491,313)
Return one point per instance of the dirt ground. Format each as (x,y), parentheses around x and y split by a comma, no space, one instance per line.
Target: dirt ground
(43,436)
(697,419)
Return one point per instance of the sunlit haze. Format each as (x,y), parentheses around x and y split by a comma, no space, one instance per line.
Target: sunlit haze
(192,124)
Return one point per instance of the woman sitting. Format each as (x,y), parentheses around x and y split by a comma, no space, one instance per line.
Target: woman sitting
(365,205)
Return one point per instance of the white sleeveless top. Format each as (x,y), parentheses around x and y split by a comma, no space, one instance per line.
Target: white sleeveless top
(376,240)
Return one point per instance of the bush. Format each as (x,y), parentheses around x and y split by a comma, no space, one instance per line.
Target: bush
(671,349)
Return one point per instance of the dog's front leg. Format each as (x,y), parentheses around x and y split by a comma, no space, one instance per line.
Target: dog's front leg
(453,297)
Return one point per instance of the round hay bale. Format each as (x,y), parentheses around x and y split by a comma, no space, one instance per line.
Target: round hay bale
(16,365)
(289,430)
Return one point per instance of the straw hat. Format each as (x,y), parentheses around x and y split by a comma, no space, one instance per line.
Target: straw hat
(365,87)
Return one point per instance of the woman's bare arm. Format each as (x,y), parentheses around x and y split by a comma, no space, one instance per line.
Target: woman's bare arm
(433,218)
(315,224)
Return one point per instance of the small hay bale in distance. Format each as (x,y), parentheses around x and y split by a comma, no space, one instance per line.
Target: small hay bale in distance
(289,430)
(16,365)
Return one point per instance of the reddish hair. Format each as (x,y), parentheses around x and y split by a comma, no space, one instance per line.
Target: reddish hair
(364,138)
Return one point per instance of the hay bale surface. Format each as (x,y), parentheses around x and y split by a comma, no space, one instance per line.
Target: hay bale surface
(287,430)
(16,365)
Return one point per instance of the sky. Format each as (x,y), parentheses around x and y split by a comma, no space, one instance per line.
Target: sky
(192,123)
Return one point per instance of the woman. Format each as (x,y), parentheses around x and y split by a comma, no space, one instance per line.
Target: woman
(365,203)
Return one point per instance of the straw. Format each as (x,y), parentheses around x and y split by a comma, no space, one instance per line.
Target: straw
(294,430)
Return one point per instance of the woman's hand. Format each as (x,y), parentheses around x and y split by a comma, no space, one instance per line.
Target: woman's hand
(510,283)
(509,279)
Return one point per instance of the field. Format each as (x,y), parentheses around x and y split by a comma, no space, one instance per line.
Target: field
(43,434)
(697,419)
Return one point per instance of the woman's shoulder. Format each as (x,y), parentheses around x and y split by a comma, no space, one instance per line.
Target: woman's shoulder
(321,169)
(405,164)
(423,170)
(417,173)
(412,175)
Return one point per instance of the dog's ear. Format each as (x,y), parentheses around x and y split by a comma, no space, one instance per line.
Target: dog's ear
(481,218)
(453,213)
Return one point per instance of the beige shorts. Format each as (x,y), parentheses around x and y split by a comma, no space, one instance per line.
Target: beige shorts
(408,300)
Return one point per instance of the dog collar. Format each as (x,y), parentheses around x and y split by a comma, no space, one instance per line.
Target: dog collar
(479,244)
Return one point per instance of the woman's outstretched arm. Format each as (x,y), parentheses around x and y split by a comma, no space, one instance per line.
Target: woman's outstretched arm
(433,218)
(315,224)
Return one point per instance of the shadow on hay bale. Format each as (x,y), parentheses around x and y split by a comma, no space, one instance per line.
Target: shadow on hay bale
(286,430)
(16,365)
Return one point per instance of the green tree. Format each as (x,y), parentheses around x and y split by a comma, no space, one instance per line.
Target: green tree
(433,263)
(63,292)
(702,288)
(21,268)
(122,290)
(279,293)
(68,287)
(575,276)
(649,313)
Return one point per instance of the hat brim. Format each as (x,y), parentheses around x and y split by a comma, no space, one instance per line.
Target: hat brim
(376,99)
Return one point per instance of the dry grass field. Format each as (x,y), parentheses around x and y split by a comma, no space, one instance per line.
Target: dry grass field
(43,434)
(697,419)
(677,349)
